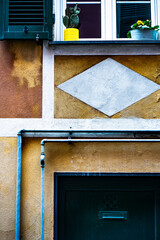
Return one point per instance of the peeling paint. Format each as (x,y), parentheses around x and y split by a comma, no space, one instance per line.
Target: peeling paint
(27,63)
(20,79)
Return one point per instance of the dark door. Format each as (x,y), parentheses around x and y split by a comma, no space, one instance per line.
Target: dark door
(108,208)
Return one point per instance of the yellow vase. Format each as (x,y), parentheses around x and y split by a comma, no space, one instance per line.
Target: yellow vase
(71,34)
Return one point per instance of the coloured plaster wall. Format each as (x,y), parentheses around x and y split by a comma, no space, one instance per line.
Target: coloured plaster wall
(8,158)
(21,96)
(67,106)
(77,157)
(20,79)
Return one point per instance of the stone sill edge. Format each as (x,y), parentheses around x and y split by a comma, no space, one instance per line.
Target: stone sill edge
(127,42)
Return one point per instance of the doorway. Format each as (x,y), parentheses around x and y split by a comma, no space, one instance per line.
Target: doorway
(107,206)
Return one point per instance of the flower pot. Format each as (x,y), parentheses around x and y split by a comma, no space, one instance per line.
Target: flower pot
(146,34)
(71,34)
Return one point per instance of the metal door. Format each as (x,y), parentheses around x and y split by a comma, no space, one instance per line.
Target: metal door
(108,208)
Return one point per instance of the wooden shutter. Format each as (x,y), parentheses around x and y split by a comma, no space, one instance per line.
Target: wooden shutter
(26,19)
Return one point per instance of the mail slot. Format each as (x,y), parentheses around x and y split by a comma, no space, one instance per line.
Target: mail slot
(113,215)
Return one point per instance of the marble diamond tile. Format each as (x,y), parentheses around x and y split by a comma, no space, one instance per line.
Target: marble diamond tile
(109,87)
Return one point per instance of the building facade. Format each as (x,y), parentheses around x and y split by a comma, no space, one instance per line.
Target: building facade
(99,101)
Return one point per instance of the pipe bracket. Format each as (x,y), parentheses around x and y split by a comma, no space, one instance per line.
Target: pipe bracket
(42,160)
(70,136)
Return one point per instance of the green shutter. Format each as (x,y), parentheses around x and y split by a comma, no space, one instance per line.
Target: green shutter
(26,19)
(2,19)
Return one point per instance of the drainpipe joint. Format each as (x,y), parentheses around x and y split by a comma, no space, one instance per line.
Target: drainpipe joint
(42,160)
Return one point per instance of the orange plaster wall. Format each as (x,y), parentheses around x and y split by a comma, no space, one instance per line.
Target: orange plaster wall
(20,79)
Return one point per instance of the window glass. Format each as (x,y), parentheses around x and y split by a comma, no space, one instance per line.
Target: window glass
(128,12)
(90,18)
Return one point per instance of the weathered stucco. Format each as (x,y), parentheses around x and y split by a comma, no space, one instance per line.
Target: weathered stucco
(67,106)
(60,157)
(8,155)
(21,96)
(20,79)
(77,157)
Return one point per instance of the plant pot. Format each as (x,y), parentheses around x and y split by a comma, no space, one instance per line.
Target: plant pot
(147,34)
(71,34)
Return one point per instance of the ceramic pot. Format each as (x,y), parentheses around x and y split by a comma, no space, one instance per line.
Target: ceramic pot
(71,34)
(146,34)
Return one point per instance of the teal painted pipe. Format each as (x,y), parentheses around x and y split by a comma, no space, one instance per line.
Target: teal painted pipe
(42,203)
(42,190)
(18,194)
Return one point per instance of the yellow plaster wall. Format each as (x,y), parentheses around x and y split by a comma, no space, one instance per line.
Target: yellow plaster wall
(77,157)
(67,67)
(8,160)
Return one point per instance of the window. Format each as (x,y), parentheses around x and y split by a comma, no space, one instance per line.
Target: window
(90,18)
(106,19)
(129,12)
(99,19)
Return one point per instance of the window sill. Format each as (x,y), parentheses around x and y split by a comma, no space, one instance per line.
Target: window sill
(105,42)
(117,47)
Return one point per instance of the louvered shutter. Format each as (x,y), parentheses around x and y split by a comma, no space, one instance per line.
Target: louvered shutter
(26,19)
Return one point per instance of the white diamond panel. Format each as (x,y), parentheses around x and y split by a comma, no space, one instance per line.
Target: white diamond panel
(109,87)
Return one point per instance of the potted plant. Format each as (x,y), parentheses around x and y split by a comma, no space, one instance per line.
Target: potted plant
(143,30)
(71,22)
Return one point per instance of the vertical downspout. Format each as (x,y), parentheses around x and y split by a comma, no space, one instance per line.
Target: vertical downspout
(42,189)
(18,195)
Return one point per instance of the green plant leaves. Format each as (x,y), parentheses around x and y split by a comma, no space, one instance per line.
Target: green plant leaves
(143,25)
(71,19)
(74,20)
(66,21)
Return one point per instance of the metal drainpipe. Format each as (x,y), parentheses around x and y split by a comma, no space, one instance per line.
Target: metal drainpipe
(69,140)
(42,190)
(18,194)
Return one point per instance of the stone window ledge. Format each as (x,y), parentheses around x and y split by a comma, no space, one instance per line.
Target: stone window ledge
(119,47)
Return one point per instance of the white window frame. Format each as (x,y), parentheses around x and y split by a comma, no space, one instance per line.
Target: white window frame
(108,15)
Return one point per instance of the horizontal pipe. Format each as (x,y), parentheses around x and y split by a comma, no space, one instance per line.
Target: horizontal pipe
(91,133)
(99,140)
